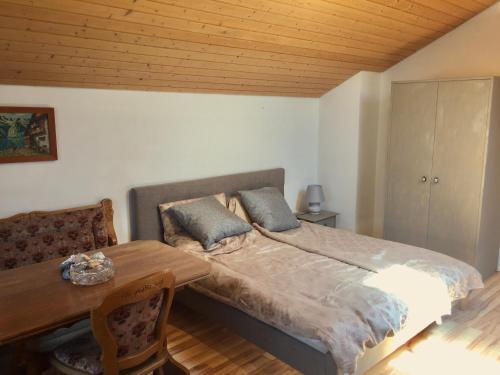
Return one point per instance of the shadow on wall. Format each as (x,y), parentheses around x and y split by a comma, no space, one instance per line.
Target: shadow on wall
(301,203)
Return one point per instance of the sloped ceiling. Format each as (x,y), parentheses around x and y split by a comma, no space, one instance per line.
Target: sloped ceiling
(261,47)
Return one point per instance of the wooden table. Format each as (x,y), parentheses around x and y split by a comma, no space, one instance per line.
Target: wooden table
(35,299)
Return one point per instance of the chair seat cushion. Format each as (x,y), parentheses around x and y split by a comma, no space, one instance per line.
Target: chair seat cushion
(82,353)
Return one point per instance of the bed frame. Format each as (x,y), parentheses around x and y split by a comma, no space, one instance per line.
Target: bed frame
(146,225)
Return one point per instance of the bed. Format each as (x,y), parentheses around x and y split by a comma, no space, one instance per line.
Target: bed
(310,356)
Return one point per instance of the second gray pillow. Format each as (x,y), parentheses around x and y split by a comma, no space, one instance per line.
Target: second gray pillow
(208,221)
(268,208)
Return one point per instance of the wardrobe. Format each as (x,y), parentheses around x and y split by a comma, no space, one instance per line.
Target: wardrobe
(443,187)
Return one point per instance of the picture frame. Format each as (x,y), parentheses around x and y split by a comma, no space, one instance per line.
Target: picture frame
(27,134)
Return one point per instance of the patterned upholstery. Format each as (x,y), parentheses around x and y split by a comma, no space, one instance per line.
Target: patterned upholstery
(82,354)
(34,238)
(133,325)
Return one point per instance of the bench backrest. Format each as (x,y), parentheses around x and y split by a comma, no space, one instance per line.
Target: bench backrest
(42,235)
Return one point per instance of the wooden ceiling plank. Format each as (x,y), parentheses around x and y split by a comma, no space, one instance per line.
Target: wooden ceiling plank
(297,62)
(55,76)
(169,47)
(325,14)
(423,10)
(259,47)
(13,54)
(27,19)
(104,59)
(366,11)
(444,7)
(144,54)
(327,18)
(153,22)
(472,5)
(155,7)
(486,2)
(365,30)
(97,85)
(202,32)
(10,64)
(332,28)
(360,9)
(277,14)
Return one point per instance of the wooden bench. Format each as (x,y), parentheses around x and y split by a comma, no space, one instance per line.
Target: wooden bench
(39,236)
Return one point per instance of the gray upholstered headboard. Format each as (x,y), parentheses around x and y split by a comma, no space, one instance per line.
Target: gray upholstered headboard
(145,217)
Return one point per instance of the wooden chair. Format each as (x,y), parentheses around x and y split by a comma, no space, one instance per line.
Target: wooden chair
(129,332)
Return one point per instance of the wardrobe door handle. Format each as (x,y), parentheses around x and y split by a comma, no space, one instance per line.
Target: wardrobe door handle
(435,180)
(424,179)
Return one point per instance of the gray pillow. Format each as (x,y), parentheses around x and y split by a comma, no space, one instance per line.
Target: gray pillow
(208,221)
(268,208)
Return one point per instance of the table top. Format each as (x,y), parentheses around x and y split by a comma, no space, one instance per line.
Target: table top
(322,215)
(35,298)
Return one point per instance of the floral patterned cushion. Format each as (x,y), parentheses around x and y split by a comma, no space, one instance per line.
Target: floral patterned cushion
(34,238)
(133,325)
(82,354)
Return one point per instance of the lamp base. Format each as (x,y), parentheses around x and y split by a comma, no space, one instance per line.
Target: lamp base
(314,208)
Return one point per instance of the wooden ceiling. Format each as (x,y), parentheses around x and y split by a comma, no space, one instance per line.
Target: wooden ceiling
(261,47)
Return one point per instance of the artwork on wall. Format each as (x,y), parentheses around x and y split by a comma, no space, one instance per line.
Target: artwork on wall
(27,134)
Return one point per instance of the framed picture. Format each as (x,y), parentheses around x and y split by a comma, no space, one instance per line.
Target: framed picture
(27,134)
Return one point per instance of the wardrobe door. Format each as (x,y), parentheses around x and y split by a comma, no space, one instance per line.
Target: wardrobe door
(410,161)
(458,167)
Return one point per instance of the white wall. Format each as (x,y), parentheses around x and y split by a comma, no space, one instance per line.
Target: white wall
(471,50)
(347,153)
(338,150)
(109,141)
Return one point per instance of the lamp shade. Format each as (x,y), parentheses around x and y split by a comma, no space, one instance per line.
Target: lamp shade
(314,194)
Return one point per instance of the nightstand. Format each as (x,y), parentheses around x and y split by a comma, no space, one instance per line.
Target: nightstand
(326,218)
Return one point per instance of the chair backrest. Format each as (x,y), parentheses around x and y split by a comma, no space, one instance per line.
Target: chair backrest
(43,235)
(130,324)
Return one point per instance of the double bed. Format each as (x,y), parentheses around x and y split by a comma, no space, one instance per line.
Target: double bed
(311,294)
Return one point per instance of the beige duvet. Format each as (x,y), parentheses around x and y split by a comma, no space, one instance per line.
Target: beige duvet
(347,290)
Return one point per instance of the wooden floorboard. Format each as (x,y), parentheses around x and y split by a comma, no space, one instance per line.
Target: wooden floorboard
(468,342)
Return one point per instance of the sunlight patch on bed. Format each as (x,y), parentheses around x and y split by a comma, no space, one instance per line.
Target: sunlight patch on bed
(422,293)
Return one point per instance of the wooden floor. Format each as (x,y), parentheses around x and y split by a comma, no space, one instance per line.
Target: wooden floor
(468,343)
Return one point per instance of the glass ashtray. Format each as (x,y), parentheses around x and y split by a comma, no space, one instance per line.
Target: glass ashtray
(86,273)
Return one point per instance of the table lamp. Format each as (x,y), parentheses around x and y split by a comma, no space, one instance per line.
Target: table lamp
(315,196)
